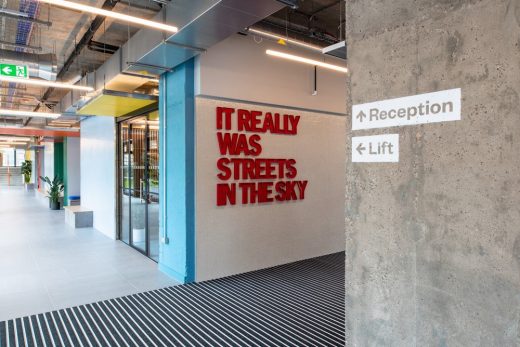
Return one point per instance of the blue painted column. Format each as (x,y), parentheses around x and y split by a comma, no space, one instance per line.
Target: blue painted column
(177,173)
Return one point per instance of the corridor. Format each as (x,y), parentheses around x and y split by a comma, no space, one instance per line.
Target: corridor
(46,265)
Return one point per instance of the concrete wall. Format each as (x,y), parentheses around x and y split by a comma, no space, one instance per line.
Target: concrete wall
(238,68)
(433,245)
(244,237)
(98,175)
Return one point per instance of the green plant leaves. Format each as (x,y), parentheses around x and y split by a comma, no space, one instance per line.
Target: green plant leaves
(56,187)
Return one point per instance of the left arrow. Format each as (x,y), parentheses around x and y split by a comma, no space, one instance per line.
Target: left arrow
(7,70)
(360,148)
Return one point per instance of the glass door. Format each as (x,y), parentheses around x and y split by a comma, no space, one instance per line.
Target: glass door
(139,183)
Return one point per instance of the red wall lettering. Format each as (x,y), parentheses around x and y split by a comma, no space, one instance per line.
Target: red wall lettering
(240,169)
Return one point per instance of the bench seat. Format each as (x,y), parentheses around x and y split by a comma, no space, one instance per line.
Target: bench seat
(79,217)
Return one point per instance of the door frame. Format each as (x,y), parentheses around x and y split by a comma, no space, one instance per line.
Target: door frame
(119,184)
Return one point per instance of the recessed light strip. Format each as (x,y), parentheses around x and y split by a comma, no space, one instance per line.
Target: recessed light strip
(306,60)
(17,113)
(111,14)
(43,83)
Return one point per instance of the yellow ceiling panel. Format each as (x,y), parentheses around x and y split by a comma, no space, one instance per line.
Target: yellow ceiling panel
(116,104)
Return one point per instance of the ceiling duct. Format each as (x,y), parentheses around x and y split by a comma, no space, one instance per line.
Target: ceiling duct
(202,23)
(150,53)
(42,66)
(291,3)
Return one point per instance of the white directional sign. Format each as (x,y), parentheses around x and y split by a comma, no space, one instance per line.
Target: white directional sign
(434,107)
(375,149)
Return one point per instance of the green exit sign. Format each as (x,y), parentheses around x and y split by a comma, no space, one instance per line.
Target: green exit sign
(13,70)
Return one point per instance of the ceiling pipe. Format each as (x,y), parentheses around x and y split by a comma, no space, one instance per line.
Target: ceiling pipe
(89,34)
(299,30)
(22,16)
(23,88)
(87,37)
(102,47)
(291,3)
(20,45)
(324,8)
(275,37)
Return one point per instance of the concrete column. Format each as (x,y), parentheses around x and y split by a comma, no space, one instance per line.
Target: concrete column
(433,242)
(177,173)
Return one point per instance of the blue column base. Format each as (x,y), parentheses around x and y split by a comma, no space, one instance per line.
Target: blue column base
(179,277)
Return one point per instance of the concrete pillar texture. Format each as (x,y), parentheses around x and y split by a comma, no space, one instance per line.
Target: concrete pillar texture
(433,241)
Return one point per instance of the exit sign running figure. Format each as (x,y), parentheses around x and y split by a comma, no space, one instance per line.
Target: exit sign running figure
(13,70)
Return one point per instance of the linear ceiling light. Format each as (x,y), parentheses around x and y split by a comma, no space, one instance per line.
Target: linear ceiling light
(13,143)
(306,60)
(42,83)
(14,139)
(279,37)
(18,113)
(110,14)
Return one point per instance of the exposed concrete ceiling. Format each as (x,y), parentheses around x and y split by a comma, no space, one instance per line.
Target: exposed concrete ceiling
(60,37)
(320,22)
(50,29)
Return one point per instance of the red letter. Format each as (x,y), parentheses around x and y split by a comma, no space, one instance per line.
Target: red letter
(294,124)
(280,189)
(268,123)
(226,111)
(256,121)
(226,192)
(264,192)
(301,186)
(254,142)
(227,143)
(290,193)
(225,171)
(292,172)
(248,193)
(248,169)
(244,120)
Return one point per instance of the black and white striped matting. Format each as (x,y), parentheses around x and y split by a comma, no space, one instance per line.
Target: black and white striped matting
(298,304)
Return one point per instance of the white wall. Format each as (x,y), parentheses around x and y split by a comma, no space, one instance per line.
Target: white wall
(238,68)
(73,166)
(98,175)
(236,239)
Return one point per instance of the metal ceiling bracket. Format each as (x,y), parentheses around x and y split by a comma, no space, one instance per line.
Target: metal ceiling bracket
(193,48)
(139,75)
(135,63)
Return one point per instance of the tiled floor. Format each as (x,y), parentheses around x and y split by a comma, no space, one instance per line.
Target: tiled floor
(46,265)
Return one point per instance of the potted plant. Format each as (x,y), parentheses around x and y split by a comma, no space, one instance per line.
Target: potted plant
(56,188)
(27,173)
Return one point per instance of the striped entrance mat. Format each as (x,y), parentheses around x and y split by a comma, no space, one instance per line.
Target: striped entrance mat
(298,304)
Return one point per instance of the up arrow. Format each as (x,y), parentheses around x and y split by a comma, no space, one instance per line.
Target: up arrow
(360,148)
(7,70)
(361,115)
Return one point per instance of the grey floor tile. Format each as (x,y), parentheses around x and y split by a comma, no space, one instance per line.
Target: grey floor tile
(47,265)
